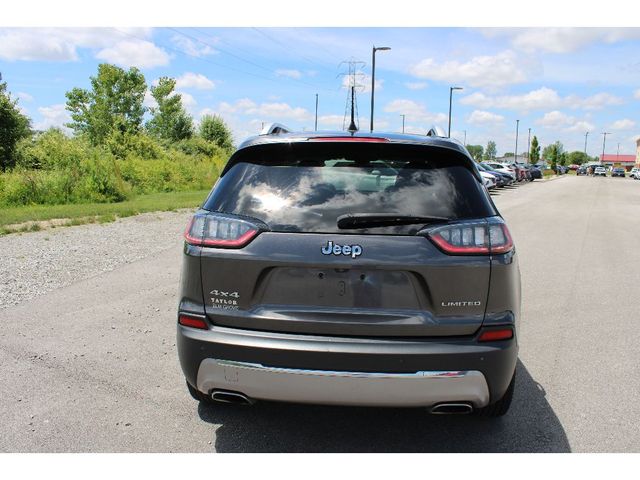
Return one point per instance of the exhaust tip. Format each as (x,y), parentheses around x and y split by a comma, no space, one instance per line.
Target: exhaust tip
(237,398)
(452,409)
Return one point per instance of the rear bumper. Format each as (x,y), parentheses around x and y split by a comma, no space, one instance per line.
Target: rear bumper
(419,389)
(346,371)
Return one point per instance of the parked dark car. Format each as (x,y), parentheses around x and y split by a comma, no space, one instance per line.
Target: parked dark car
(502,179)
(618,172)
(368,269)
(582,170)
(535,172)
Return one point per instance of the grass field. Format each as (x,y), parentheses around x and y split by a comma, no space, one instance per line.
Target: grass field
(31,217)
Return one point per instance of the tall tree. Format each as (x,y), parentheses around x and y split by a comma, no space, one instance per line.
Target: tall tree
(535,150)
(491,151)
(214,129)
(13,126)
(554,154)
(170,120)
(115,102)
(475,151)
(578,158)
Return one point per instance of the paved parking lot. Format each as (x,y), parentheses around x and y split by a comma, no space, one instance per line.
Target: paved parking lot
(90,364)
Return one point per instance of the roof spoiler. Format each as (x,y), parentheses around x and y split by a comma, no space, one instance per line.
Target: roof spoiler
(436,131)
(275,129)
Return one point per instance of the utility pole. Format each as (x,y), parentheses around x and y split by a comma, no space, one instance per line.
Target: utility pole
(517,128)
(618,154)
(586,135)
(529,147)
(316,124)
(465,138)
(402,115)
(451,89)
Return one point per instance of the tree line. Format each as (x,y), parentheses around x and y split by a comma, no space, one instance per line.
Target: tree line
(111,111)
(118,146)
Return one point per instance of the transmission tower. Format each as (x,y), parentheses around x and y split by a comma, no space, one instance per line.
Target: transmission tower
(352,82)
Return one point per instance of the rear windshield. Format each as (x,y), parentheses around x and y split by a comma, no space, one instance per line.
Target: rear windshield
(305,187)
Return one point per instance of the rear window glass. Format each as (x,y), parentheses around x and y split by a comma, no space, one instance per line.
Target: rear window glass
(305,187)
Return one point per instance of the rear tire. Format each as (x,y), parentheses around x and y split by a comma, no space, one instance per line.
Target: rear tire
(198,395)
(501,407)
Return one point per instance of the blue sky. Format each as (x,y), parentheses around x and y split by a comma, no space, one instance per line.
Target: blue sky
(560,82)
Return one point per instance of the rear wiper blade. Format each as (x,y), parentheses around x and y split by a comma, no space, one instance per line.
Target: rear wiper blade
(372,220)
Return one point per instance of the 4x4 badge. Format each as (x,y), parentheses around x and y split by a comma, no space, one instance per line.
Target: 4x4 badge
(334,249)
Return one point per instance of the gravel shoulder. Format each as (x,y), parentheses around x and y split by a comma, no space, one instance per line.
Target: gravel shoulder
(35,263)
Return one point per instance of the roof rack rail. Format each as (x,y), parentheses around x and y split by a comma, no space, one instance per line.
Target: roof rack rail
(436,131)
(275,129)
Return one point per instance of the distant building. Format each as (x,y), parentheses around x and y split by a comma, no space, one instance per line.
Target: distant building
(615,160)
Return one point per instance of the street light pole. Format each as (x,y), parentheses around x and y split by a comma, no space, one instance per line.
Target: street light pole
(316,124)
(451,89)
(604,141)
(618,154)
(517,128)
(529,147)
(465,138)
(402,115)
(373,76)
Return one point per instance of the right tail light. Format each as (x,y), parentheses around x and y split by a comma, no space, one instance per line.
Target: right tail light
(479,238)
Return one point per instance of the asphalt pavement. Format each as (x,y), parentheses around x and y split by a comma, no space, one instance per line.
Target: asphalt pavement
(92,366)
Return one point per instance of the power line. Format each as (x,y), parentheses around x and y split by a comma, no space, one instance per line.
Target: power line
(270,70)
(288,47)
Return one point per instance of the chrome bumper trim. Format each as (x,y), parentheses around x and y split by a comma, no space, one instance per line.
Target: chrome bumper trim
(419,389)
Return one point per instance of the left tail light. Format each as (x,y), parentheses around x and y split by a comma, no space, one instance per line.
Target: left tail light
(472,238)
(220,231)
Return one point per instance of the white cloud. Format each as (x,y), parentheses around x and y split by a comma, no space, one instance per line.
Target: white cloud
(594,102)
(134,53)
(636,94)
(271,111)
(149,101)
(416,85)
(414,111)
(332,122)
(238,106)
(562,40)
(59,44)
(194,80)
(187,100)
(24,97)
(624,124)
(194,49)
(53,116)
(480,117)
(295,74)
(541,99)
(561,121)
(277,111)
(496,71)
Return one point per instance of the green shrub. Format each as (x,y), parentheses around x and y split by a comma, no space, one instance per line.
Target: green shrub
(56,169)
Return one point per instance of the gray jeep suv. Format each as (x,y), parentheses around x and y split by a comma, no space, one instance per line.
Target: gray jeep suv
(350,269)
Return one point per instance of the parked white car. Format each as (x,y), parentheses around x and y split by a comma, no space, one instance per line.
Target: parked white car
(488,180)
(600,172)
(635,173)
